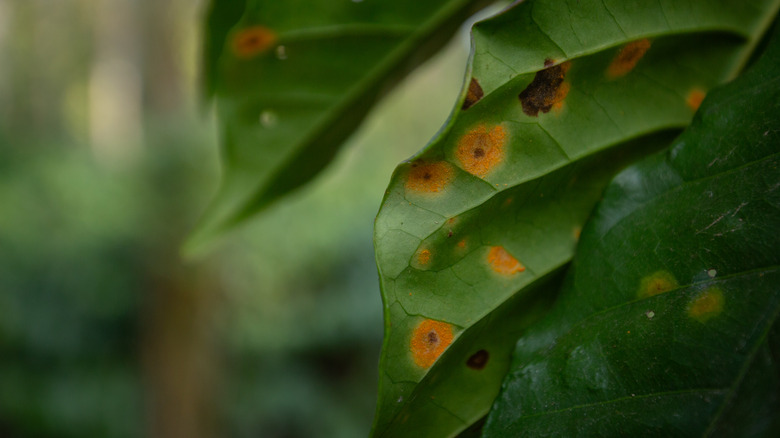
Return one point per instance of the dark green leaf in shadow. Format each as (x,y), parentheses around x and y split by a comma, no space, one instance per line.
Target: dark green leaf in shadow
(668,320)
(560,97)
(293,79)
(220,18)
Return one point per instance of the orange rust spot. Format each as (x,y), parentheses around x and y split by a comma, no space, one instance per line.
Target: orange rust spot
(706,305)
(424,257)
(561,95)
(657,283)
(253,41)
(429,340)
(547,89)
(429,177)
(695,98)
(576,232)
(474,94)
(452,220)
(503,262)
(481,149)
(462,244)
(627,58)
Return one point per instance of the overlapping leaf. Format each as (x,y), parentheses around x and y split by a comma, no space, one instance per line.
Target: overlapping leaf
(293,79)
(668,323)
(479,225)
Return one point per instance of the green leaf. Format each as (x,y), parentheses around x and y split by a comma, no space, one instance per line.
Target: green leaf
(474,228)
(668,320)
(293,79)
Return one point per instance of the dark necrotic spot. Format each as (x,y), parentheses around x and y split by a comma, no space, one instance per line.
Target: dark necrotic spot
(473,95)
(478,360)
(543,92)
(479,153)
(433,337)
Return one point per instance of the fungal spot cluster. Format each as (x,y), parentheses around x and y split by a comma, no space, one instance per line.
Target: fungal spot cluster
(478,360)
(252,41)
(481,149)
(695,98)
(546,90)
(627,58)
(474,94)
(429,340)
(502,262)
(656,283)
(706,305)
(429,177)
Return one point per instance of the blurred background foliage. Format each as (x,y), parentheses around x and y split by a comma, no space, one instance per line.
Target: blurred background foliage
(107,158)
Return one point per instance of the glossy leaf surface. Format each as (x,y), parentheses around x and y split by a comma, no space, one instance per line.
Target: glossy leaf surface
(291,80)
(668,320)
(480,224)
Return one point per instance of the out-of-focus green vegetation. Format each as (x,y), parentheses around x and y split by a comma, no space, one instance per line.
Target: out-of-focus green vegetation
(105,164)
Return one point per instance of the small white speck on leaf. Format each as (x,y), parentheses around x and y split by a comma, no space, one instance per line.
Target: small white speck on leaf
(268,119)
(649,314)
(281,52)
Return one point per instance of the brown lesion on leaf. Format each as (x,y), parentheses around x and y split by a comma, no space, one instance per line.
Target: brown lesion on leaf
(627,58)
(478,360)
(547,89)
(695,98)
(706,305)
(657,283)
(502,262)
(481,149)
(252,41)
(429,177)
(429,340)
(474,94)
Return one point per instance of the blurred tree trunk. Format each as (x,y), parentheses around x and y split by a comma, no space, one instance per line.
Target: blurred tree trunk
(179,356)
(162,70)
(180,360)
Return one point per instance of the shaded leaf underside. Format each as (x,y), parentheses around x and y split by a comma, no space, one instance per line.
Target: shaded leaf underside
(481,223)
